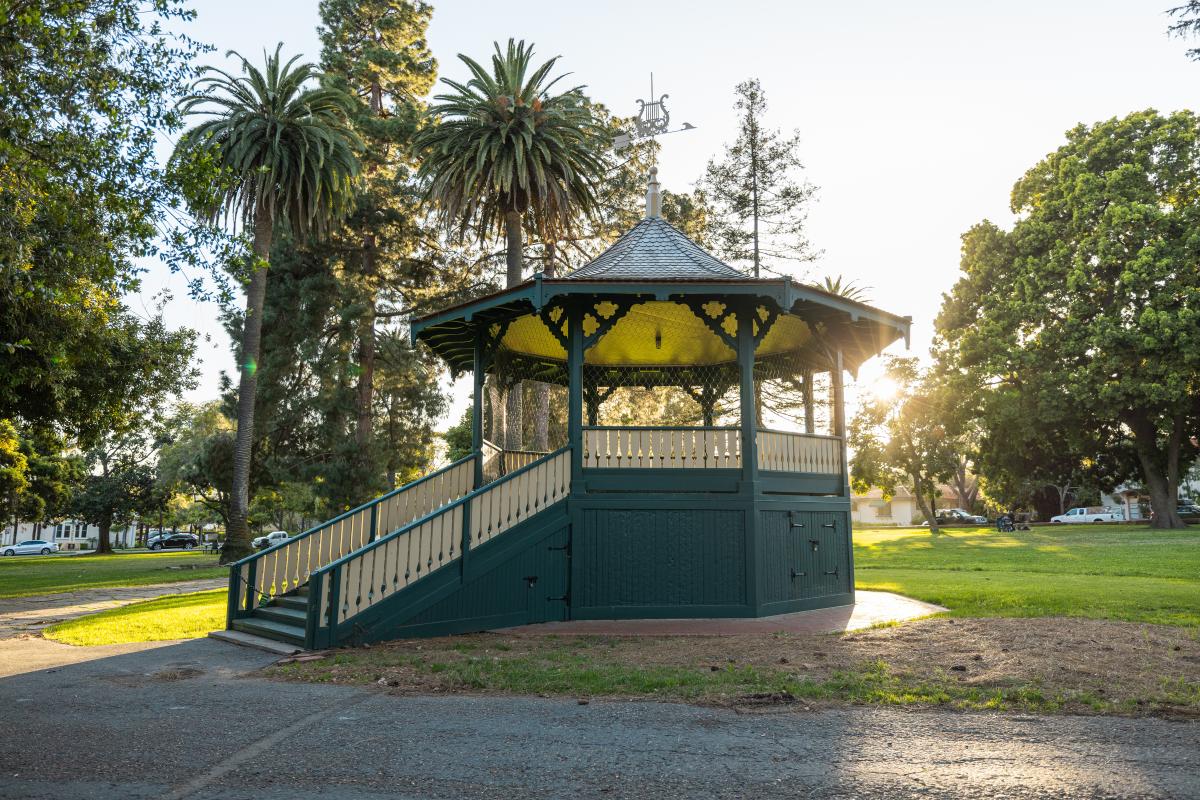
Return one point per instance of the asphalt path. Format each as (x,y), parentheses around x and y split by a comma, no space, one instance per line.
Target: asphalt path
(191,720)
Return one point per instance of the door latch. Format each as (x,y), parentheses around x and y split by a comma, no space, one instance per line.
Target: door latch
(815,543)
(531,580)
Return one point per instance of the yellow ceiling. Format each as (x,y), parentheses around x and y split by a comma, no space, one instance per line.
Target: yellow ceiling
(650,334)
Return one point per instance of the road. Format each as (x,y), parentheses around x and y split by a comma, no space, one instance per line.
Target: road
(188,721)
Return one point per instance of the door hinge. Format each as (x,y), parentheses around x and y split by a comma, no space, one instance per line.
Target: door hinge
(564,547)
(796,574)
(828,525)
(833,571)
(792,519)
(566,598)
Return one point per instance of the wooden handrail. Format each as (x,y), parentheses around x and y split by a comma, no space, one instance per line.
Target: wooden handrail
(288,565)
(381,568)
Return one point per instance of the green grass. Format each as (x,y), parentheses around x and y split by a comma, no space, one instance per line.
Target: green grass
(25,576)
(178,616)
(1096,571)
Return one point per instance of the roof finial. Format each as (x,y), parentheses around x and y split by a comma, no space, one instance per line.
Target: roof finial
(653,197)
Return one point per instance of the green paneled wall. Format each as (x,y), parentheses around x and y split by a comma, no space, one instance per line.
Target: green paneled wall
(659,557)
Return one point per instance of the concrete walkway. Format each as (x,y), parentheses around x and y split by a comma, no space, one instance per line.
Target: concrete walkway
(192,722)
(870,608)
(25,615)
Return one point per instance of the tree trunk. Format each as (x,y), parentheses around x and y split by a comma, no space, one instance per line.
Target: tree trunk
(1163,488)
(237,537)
(104,540)
(754,183)
(366,356)
(514,422)
(366,328)
(496,403)
(929,509)
(541,391)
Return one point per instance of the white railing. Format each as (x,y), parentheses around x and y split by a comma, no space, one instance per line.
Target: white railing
(663,448)
(389,565)
(515,459)
(287,566)
(799,452)
(498,462)
(502,505)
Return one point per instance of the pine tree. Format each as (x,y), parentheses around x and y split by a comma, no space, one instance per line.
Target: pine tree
(376,51)
(760,197)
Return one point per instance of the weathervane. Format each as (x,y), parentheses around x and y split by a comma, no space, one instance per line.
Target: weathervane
(653,119)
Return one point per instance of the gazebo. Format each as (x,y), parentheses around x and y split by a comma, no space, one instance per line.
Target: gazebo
(700,472)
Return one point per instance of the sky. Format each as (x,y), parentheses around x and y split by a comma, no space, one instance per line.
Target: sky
(916,118)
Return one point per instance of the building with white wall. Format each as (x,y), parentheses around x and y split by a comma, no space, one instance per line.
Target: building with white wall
(70,534)
(871,509)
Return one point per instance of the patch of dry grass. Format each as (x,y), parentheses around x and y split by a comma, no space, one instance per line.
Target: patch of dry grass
(1041,665)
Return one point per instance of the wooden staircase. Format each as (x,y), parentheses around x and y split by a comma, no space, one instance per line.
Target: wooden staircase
(281,619)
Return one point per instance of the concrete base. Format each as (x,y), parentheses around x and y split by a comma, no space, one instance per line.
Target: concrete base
(870,608)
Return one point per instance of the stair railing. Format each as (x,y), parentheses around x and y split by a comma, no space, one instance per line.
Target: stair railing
(379,570)
(288,565)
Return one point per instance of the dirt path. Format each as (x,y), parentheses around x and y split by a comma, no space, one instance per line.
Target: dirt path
(20,616)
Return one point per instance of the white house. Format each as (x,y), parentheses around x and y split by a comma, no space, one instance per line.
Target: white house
(71,534)
(872,509)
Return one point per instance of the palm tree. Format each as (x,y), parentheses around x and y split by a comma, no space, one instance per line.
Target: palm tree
(504,154)
(285,157)
(842,287)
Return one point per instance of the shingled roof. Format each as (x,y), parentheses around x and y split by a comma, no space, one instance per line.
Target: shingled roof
(655,250)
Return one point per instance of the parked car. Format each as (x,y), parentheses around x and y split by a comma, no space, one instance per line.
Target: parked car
(1188,512)
(1090,514)
(173,541)
(30,547)
(270,540)
(956,516)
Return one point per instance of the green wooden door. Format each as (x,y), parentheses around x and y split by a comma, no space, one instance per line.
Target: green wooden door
(549,582)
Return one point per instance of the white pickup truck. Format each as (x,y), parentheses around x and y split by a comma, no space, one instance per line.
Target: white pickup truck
(270,540)
(1090,514)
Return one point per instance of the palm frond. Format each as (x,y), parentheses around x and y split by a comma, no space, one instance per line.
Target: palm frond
(283,146)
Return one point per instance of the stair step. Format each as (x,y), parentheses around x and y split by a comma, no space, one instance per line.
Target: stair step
(291,601)
(301,591)
(278,631)
(287,616)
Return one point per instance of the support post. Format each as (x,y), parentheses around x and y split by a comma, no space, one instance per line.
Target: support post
(575,395)
(810,424)
(839,414)
(477,411)
(749,428)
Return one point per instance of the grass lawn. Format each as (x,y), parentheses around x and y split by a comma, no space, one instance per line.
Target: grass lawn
(178,616)
(25,576)
(1096,571)
(1095,587)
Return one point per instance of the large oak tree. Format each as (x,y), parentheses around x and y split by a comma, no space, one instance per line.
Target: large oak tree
(1091,301)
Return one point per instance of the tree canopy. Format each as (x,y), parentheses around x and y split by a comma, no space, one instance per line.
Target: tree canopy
(1091,303)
